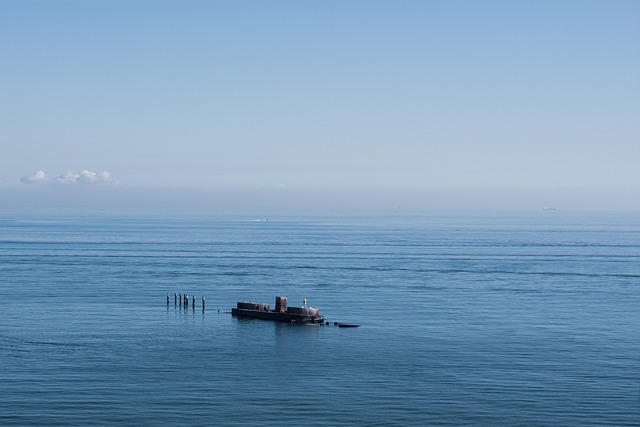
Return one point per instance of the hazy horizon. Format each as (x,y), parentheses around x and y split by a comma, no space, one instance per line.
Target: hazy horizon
(265,201)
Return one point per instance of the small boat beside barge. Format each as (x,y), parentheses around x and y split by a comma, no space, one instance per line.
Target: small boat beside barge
(282,313)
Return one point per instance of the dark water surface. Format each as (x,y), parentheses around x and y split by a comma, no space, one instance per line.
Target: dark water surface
(466,320)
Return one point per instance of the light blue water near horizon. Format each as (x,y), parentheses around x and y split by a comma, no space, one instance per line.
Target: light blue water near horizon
(489,319)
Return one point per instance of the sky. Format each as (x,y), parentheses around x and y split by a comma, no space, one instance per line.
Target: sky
(495,103)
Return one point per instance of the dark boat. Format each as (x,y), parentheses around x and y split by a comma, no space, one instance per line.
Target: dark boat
(282,313)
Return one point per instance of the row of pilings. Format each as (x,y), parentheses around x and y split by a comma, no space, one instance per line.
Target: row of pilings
(182,301)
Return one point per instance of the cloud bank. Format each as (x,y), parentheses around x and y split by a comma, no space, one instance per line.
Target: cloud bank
(38,177)
(71,178)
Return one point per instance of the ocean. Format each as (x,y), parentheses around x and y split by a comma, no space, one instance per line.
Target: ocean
(503,319)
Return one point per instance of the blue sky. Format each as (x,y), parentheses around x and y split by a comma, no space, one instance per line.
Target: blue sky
(350,95)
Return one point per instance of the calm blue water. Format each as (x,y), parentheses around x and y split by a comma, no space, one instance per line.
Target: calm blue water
(466,320)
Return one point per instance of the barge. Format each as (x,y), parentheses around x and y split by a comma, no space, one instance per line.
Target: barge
(282,313)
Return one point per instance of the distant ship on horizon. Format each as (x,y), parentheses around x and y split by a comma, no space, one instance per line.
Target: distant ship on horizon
(546,208)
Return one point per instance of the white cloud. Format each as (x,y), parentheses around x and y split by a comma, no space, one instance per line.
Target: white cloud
(38,177)
(66,178)
(71,178)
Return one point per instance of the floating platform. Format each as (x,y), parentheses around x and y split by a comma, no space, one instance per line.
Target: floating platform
(282,313)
